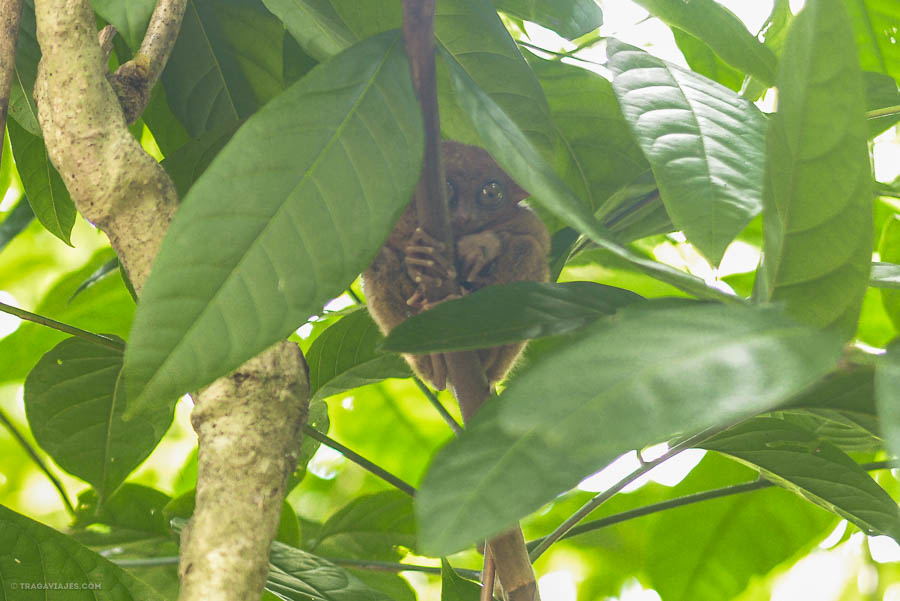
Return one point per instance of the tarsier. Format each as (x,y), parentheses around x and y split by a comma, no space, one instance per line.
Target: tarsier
(497,242)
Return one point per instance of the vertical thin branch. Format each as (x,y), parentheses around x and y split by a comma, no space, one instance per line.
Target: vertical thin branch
(10,16)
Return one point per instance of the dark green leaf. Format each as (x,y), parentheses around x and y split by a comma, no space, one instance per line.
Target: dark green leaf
(507,313)
(721,30)
(28,54)
(130,18)
(887,395)
(704,142)
(298,202)
(104,270)
(159,119)
(881,92)
(701,59)
(74,405)
(187,163)
(36,555)
(645,376)
(44,188)
(344,356)
(569,18)
(16,221)
(818,203)
(319,421)
(816,470)
(317,26)
(132,507)
(456,588)
(226,63)
(297,62)
(301,576)
(370,527)
(712,550)
(518,157)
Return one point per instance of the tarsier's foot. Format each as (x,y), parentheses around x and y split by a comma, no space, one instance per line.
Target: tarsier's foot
(427,265)
(475,252)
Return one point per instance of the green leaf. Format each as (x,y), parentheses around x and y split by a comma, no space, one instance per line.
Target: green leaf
(317,26)
(887,396)
(645,376)
(34,555)
(188,163)
(817,198)
(74,405)
(874,25)
(43,185)
(344,357)
(301,576)
(370,527)
(887,275)
(704,142)
(816,470)
(328,165)
(130,18)
(16,221)
(28,54)
(132,507)
(456,588)
(159,119)
(507,313)
(702,60)
(712,550)
(601,155)
(518,157)
(569,18)
(881,92)
(721,30)
(111,266)
(226,63)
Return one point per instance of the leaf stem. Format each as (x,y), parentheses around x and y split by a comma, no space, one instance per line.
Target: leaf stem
(432,398)
(391,566)
(360,460)
(62,327)
(37,459)
(886,111)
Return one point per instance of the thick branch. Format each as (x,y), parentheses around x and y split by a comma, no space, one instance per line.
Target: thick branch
(466,373)
(10,16)
(133,81)
(249,422)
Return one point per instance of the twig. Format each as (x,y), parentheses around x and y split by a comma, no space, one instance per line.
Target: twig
(37,459)
(391,566)
(360,460)
(63,327)
(487,576)
(454,425)
(883,112)
(10,17)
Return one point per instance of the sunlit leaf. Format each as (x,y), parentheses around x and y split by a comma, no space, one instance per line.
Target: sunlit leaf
(74,404)
(887,395)
(881,92)
(37,555)
(816,470)
(298,202)
(874,25)
(887,275)
(818,204)
(702,60)
(104,270)
(645,376)
(370,527)
(344,356)
(704,142)
(569,18)
(130,17)
(43,185)
(507,313)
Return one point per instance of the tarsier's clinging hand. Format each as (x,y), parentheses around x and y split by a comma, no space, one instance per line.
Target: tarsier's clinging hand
(497,241)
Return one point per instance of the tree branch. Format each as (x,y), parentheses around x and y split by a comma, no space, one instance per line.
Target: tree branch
(248,423)
(10,16)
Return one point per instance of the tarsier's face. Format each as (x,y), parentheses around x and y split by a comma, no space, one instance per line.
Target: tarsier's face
(479,193)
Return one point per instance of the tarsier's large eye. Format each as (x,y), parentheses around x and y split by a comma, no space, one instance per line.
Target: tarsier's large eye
(451,194)
(492,195)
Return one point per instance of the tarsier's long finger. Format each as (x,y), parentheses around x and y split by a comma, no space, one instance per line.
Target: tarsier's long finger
(417,300)
(426,239)
(477,265)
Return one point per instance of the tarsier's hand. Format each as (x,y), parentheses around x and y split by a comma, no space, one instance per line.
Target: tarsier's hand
(475,252)
(428,266)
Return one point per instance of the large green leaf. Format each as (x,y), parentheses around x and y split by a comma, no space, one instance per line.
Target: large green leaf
(28,54)
(74,405)
(456,588)
(645,376)
(370,527)
(889,276)
(133,507)
(887,395)
(298,202)
(721,30)
(344,356)
(712,550)
(507,313)
(704,142)
(569,18)
(295,574)
(701,59)
(816,470)
(874,25)
(37,562)
(130,18)
(514,152)
(15,222)
(818,203)
(46,192)
(226,63)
